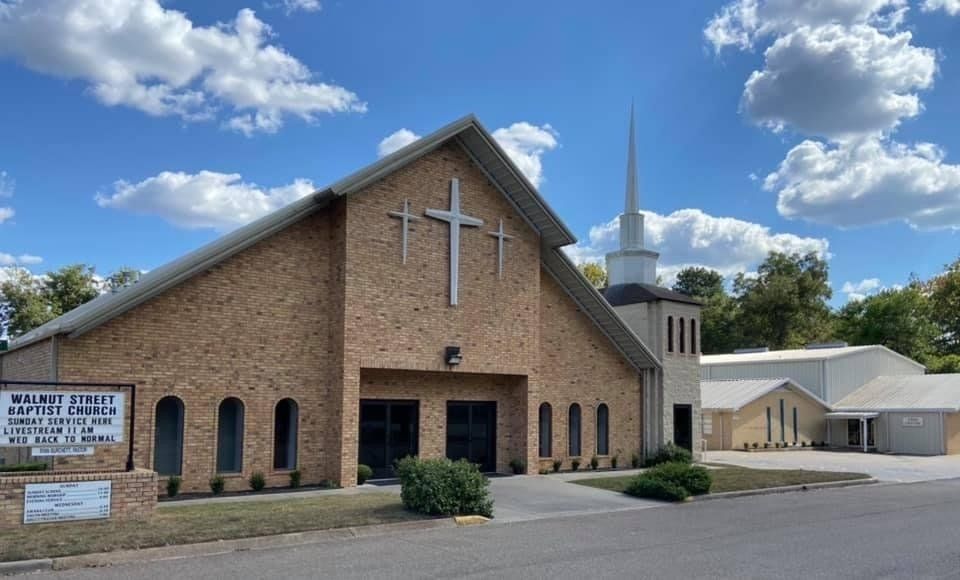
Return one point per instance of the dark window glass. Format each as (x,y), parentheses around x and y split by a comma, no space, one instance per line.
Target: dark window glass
(546,430)
(693,336)
(795,425)
(285,418)
(574,426)
(783,423)
(230,436)
(603,430)
(168,437)
(769,424)
(669,334)
(683,339)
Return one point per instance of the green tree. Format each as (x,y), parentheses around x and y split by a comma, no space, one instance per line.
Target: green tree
(945,308)
(69,287)
(125,276)
(699,282)
(595,273)
(23,306)
(897,319)
(785,304)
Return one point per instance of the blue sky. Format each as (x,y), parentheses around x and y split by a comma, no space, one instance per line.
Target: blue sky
(152,128)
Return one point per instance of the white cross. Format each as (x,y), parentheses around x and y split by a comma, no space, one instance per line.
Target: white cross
(455,219)
(500,235)
(406,216)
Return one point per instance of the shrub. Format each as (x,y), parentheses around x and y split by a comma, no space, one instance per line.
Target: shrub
(755,445)
(295,477)
(20,467)
(594,462)
(615,460)
(746,446)
(328,484)
(670,453)
(693,478)
(363,473)
(557,464)
(517,466)
(634,461)
(823,444)
(575,464)
(257,481)
(544,471)
(766,445)
(444,487)
(216,484)
(650,487)
(173,486)
(803,444)
(777,445)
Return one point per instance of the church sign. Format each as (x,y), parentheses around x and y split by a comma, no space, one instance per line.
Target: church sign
(60,421)
(63,502)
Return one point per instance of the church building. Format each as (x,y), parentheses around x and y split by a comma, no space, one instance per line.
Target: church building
(421,306)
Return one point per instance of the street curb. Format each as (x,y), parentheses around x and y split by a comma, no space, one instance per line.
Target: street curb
(785,489)
(161,553)
(25,566)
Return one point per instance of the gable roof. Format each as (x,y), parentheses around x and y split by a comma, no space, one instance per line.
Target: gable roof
(798,355)
(905,393)
(482,149)
(635,293)
(734,394)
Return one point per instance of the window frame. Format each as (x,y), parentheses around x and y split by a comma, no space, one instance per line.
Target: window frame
(545,450)
(693,336)
(181,409)
(670,334)
(239,429)
(682,337)
(603,423)
(292,446)
(575,407)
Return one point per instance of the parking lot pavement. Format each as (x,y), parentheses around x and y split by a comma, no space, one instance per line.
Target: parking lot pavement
(890,468)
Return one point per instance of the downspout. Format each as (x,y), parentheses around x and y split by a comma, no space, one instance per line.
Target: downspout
(863,433)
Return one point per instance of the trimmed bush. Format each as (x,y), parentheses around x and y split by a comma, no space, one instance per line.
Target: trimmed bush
(669,453)
(594,462)
(216,484)
(575,464)
(544,471)
(363,473)
(257,481)
(295,477)
(557,464)
(615,460)
(694,478)
(649,487)
(444,487)
(634,461)
(21,467)
(517,466)
(755,445)
(173,486)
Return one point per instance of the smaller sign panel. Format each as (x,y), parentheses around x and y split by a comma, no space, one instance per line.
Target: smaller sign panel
(912,421)
(708,424)
(63,502)
(61,450)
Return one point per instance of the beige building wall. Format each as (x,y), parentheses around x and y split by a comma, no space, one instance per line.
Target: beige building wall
(951,430)
(749,424)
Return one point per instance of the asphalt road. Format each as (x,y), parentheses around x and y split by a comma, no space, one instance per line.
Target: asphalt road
(881,531)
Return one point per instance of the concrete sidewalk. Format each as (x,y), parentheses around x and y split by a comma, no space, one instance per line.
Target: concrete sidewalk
(887,468)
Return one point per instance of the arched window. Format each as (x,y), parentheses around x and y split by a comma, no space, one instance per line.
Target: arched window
(669,334)
(230,436)
(682,337)
(574,427)
(168,436)
(285,417)
(603,429)
(693,336)
(546,430)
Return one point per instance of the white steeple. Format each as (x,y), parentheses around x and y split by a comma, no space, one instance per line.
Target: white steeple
(632,263)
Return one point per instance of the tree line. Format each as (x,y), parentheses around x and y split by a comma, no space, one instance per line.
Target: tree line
(785,305)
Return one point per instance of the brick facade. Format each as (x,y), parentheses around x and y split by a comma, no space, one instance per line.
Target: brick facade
(326,313)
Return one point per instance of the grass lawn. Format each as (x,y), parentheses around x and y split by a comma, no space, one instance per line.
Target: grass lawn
(732,478)
(202,523)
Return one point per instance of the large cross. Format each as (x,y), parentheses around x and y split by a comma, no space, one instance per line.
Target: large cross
(455,219)
(406,216)
(501,236)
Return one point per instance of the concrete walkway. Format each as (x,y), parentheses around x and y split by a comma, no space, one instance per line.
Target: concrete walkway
(888,468)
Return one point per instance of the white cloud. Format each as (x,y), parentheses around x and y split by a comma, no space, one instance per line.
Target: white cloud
(6,213)
(742,23)
(291,6)
(7,185)
(21,260)
(526,144)
(690,237)
(523,142)
(860,290)
(396,140)
(951,7)
(839,81)
(868,182)
(203,200)
(139,54)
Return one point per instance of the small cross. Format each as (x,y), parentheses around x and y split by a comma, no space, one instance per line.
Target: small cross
(501,236)
(456,220)
(406,216)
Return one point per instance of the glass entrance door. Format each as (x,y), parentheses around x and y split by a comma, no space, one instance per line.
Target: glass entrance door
(472,433)
(388,432)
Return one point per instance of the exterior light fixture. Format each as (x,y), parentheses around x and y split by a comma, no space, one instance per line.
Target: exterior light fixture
(452,355)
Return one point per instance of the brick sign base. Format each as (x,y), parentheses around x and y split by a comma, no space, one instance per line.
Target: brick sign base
(133,494)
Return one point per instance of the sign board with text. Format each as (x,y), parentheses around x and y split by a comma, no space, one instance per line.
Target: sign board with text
(60,419)
(63,502)
(912,421)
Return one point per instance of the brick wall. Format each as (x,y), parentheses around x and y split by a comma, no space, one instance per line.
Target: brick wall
(31,363)
(132,494)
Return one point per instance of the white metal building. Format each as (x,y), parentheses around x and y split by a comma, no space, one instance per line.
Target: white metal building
(918,415)
(830,372)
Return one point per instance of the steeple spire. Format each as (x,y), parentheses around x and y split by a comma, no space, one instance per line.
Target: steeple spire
(632,204)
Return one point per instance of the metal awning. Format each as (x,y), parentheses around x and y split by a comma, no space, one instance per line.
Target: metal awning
(852,415)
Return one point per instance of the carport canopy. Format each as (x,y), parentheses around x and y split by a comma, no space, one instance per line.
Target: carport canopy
(852,415)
